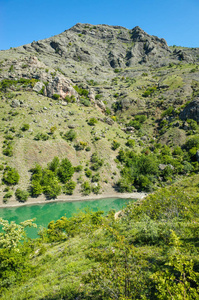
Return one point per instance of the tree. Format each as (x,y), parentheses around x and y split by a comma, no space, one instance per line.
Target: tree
(119,273)
(10,176)
(65,170)
(21,195)
(13,233)
(178,281)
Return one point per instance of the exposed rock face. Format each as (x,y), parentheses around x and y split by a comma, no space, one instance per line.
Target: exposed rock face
(191,111)
(62,86)
(106,46)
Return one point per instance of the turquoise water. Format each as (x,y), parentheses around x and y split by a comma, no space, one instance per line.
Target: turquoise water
(44,213)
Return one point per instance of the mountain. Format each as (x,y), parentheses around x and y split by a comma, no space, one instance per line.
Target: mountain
(101,110)
(95,95)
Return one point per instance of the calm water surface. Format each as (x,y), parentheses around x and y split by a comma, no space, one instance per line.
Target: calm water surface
(44,213)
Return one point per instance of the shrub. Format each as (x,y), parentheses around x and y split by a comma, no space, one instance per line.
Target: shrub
(25,127)
(96,189)
(92,121)
(130,143)
(115,145)
(96,162)
(96,178)
(81,92)
(70,99)
(98,96)
(8,151)
(56,96)
(192,142)
(10,176)
(86,188)
(148,92)
(21,195)
(53,129)
(80,146)
(168,112)
(65,170)
(41,136)
(69,135)
(36,189)
(78,168)
(7,196)
(53,166)
(85,102)
(69,187)
(88,173)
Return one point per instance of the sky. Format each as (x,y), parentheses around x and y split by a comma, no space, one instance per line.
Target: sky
(24,21)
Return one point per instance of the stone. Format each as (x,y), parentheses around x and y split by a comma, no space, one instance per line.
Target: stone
(191,111)
(15,103)
(163,166)
(38,86)
(197,155)
(72,126)
(108,120)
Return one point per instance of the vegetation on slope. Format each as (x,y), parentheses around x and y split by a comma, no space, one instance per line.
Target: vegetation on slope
(149,252)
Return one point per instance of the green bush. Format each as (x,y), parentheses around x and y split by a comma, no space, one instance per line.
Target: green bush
(88,173)
(69,135)
(96,177)
(78,168)
(130,143)
(92,121)
(149,91)
(96,189)
(54,164)
(69,187)
(25,127)
(168,112)
(96,162)
(85,102)
(8,151)
(70,99)
(10,176)
(7,196)
(65,170)
(81,92)
(56,96)
(41,136)
(115,145)
(86,188)
(21,195)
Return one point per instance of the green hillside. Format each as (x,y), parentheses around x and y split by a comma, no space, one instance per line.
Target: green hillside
(149,252)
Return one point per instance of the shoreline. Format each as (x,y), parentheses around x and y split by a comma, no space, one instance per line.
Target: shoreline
(73,198)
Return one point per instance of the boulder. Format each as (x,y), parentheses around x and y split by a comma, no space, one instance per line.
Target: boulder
(191,111)
(163,166)
(108,120)
(197,155)
(38,86)
(15,103)
(62,86)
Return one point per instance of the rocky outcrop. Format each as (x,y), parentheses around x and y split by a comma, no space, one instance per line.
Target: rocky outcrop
(105,46)
(60,86)
(191,111)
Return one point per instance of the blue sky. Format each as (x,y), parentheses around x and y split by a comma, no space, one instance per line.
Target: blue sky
(22,21)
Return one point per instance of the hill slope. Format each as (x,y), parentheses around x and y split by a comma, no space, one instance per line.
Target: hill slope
(107,98)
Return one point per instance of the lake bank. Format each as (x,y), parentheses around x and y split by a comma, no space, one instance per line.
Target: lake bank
(46,212)
(63,198)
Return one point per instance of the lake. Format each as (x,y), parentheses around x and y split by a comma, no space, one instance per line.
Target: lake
(44,213)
